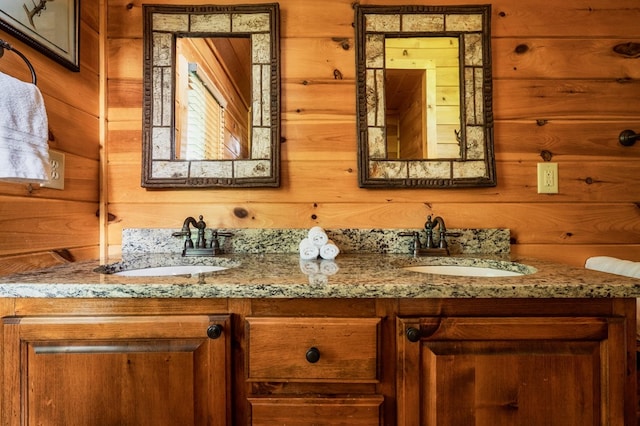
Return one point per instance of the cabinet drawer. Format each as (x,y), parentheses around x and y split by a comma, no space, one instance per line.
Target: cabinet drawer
(338,349)
(356,411)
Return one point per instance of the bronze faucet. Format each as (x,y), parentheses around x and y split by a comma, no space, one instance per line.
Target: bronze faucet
(201,247)
(430,248)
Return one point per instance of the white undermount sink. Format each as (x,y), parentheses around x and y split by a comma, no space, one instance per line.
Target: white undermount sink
(464,271)
(468,267)
(162,271)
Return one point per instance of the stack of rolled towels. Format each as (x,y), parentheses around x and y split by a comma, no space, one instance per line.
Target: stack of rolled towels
(317,244)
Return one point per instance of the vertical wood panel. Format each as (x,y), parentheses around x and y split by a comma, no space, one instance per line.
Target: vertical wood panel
(38,225)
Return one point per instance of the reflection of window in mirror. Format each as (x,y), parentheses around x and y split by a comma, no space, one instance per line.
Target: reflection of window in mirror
(422,94)
(212,98)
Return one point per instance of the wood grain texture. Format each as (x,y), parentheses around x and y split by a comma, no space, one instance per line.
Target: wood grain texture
(559,87)
(36,223)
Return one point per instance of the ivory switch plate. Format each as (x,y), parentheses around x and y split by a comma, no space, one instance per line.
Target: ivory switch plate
(56,179)
(547,178)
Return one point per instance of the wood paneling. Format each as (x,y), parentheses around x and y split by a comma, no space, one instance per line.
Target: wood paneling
(41,227)
(559,87)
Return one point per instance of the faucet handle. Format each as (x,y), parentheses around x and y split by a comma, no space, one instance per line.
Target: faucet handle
(443,239)
(200,224)
(416,240)
(215,244)
(428,225)
(408,234)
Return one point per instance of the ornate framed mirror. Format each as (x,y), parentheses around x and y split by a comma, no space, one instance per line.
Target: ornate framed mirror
(211,107)
(424,96)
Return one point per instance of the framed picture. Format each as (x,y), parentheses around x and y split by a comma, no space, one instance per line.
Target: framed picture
(50,26)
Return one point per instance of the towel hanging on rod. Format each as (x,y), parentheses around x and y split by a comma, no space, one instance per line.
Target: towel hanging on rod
(5,45)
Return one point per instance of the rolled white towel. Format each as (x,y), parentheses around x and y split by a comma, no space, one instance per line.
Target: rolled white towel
(328,267)
(317,236)
(308,250)
(614,265)
(329,251)
(309,267)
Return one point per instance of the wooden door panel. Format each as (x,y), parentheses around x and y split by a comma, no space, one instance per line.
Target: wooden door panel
(487,386)
(110,388)
(512,371)
(124,370)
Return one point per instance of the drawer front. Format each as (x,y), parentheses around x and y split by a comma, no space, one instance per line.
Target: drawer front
(306,349)
(357,411)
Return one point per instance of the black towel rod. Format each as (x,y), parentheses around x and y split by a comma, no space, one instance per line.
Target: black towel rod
(5,45)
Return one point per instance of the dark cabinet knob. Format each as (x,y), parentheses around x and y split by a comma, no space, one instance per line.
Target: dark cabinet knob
(313,355)
(214,331)
(413,334)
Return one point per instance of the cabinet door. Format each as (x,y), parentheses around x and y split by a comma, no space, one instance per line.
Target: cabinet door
(511,371)
(116,370)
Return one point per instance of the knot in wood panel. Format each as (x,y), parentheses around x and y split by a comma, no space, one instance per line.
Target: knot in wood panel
(630,49)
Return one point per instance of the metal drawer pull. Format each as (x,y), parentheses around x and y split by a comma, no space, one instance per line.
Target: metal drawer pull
(313,355)
(214,331)
(413,334)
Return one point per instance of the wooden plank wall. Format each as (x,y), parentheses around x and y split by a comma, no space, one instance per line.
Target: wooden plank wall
(559,87)
(41,227)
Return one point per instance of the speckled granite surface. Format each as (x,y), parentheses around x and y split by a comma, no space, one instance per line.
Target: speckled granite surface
(364,275)
(259,241)
(265,264)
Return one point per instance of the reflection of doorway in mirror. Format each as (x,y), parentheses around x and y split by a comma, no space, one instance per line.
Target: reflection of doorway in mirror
(212,99)
(422,92)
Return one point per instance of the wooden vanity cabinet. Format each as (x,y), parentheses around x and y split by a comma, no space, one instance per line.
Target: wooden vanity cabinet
(124,370)
(383,362)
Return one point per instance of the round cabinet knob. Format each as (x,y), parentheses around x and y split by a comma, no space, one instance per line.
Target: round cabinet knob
(214,331)
(413,334)
(313,355)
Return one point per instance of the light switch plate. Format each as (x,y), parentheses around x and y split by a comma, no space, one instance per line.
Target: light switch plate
(56,178)
(547,178)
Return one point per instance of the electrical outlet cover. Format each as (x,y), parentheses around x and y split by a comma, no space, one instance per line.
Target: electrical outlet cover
(56,179)
(547,178)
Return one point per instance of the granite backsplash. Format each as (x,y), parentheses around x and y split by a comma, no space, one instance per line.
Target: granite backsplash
(349,240)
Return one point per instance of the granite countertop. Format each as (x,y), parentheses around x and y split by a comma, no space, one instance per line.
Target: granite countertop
(368,275)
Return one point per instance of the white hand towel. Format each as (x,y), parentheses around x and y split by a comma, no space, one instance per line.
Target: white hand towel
(317,236)
(329,251)
(328,267)
(24,134)
(614,265)
(309,267)
(308,250)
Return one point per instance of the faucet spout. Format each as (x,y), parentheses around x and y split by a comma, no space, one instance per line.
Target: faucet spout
(201,247)
(442,230)
(186,231)
(430,247)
